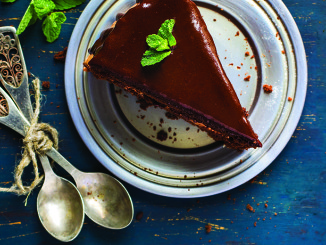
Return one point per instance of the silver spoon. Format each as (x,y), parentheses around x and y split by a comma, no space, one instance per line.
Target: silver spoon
(59,205)
(106,200)
(115,210)
(62,217)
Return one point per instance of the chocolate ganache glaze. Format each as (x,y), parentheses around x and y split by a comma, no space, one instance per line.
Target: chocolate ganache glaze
(191,77)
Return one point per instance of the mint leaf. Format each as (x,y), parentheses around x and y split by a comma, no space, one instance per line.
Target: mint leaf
(52,26)
(157,42)
(153,56)
(28,19)
(43,7)
(7,1)
(166,32)
(160,44)
(36,9)
(67,4)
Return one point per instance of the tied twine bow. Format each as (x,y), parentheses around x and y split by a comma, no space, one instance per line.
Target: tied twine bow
(40,137)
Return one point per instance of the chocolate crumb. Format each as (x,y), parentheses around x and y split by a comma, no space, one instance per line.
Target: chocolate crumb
(162,135)
(247,78)
(268,88)
(245,112)
(46,84)
(247,53)
(208,228)
(250,208)
(237,34)
(61,55)
(139,216)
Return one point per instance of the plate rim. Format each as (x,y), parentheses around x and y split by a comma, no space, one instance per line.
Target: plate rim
(182,192)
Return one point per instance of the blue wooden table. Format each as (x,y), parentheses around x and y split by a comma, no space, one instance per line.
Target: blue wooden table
(293,186)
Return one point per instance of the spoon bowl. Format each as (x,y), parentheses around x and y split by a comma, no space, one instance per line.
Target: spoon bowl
(59,205)
(106,200)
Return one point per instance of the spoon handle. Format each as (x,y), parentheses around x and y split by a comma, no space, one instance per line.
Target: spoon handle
(46,166)
(59,159)
(16,83)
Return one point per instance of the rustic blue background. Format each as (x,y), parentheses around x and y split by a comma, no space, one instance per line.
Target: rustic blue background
(293,185)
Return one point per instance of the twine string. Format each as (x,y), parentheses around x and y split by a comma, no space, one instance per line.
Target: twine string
(40,137)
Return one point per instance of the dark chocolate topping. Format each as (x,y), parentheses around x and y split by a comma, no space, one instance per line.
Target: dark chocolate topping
(99,42)
(192,75)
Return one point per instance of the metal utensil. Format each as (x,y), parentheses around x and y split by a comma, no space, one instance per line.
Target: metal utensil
(107,202)
(13,75)
(114,208)
(61,215)
(59,205)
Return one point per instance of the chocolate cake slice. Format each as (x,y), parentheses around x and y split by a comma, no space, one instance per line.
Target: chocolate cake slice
(190,83)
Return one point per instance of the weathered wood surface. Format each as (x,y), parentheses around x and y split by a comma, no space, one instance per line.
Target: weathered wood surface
(293,186)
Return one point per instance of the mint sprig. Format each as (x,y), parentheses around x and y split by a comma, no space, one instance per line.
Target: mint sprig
(52,25)
(38,9)
(160,44)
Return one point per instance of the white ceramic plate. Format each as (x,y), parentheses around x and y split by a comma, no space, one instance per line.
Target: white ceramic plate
(123,137)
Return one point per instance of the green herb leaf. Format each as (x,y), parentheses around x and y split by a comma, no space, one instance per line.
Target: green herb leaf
(28,19)
(67,4)
(157,42)
(7,1)
(153,56)
(43,7)
(160,44)
(52,26)
(166,32)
